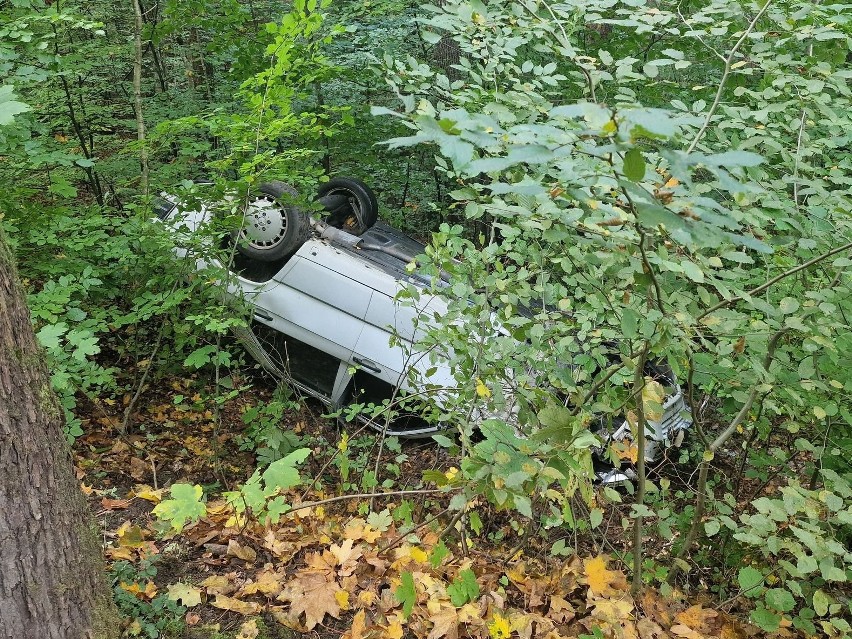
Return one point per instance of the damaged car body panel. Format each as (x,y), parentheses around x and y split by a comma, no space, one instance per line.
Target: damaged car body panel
(327,319)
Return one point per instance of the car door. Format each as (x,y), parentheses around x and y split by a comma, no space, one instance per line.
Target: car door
(387,344)
(314,317)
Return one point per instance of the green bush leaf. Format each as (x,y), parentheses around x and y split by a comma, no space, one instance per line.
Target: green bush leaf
(634,165)
(464,588)
(749,579)
(780,599)
(406,594)
(821,602)
(765,619)
(184,506)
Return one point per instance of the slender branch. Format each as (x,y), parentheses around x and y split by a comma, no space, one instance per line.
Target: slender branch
(774,280)
(728,62)
(704,469)
(638,384)
(393,493)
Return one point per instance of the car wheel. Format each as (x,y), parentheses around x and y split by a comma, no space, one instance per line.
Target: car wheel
(351,204)
(273,227)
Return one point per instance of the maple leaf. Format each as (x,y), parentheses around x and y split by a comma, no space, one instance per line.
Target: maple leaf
(130,536)
(314,596)
(406,593)
(148,592)
(186,594)
(603,582)
(246,553)
(698,619)
(217,585)
(235,605)
(267,582)
(464,588)
(357,529)
(358,628)
(324,562)
(121,553)
(346,556)
(445,624)
(393,630)
(143,491)
(613,610)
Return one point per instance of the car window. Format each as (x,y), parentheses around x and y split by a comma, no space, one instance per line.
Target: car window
(304,363)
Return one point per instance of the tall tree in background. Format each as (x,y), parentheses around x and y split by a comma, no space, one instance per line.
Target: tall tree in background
(51,573)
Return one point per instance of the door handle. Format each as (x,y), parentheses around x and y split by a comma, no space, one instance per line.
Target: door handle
(263,316)
(367,364)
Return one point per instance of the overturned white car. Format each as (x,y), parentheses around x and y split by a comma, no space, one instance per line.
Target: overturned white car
(326,314)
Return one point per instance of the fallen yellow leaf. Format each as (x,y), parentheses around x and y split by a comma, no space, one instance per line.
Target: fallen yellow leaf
(186,594)
(499,627)
(224,602)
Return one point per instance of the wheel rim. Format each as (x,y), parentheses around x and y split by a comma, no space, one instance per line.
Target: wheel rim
(265,223)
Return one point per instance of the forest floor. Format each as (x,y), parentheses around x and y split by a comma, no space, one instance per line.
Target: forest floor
(396,566)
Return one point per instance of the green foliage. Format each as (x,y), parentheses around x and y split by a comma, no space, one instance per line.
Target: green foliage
(266,432)
(184,507)
(260,496)
(652,191)
(160,617)
(464,588)
(800,541)
(406,594)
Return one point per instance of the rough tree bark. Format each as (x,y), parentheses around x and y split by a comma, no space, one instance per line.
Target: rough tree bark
(52,581)
(137,96)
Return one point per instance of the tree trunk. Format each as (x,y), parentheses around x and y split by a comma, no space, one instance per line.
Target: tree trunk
(51,572)
(137,97)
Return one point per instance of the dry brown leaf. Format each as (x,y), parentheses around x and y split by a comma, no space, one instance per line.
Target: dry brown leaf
(248,630)
(120,553)
(246,553)
(313,595)
(114,504)
(650,630)
(702,620)
(192,618)
(603,582)
(139,469)
(560,610)
(657,608)
(445,624)
(224,602)
(358,627)
(324,563)
(266,582)
(218,585)
(686,632)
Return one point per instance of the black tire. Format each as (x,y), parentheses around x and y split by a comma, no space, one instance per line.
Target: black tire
(273,228)
(362,210)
